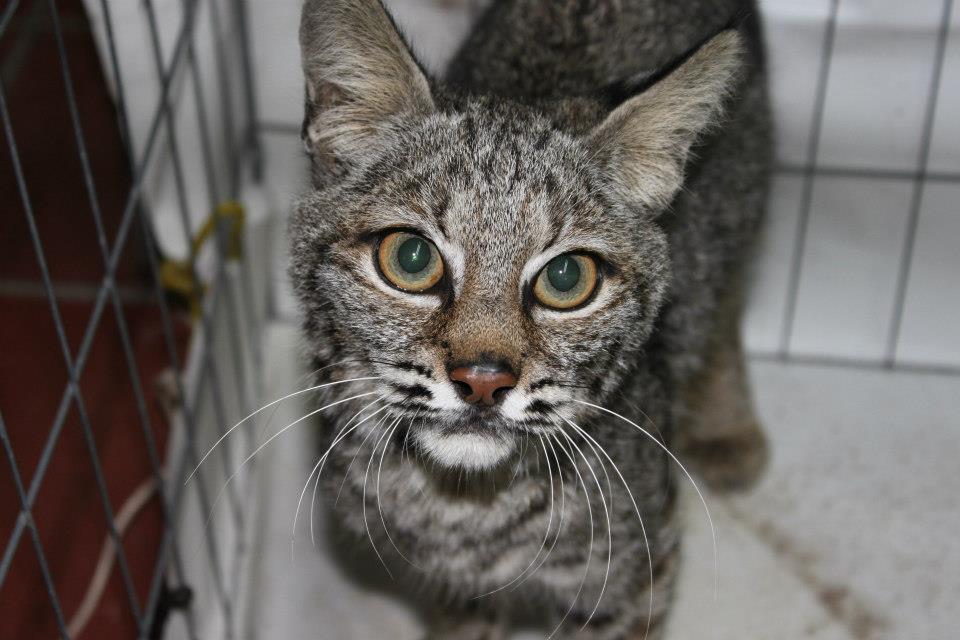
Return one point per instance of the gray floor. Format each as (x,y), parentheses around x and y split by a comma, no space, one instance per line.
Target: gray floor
(851,535)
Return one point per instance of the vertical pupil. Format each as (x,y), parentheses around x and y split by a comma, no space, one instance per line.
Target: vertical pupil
(413,255)
(564,273)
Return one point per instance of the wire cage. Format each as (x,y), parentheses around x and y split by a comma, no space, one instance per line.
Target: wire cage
(136,270)
(131,171)
(848,93)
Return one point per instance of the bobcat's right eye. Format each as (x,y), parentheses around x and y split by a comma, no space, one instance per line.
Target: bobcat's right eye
(409,261)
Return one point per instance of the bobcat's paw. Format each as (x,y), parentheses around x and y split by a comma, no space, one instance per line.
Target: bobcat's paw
(732,462)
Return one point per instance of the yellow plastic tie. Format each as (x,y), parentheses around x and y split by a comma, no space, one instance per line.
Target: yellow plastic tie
(178,277)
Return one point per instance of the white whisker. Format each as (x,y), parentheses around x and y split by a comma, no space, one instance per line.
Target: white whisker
(563,504)
(713,531)
(546,534)
(346,472)
(383,520)
(606,511)
(366,524)
(319,466)
(264,407)
(643,528)
(586,569)
(274,437)
(299,381)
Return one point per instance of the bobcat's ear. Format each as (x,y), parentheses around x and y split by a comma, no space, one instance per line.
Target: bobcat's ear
(644,142)
(360,75)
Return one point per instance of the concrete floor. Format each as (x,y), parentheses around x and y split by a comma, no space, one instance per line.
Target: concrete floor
(850,536)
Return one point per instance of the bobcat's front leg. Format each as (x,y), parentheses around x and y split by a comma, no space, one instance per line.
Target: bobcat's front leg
(718,430)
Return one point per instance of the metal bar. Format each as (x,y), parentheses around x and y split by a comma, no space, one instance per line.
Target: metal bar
(7,16)
(108,288)
(46,455)
(167,110)
(129,356)
(167,113)
(226,103)
(207,369)
(60,417)
(137,185)
(27,517)
(855,363)
(73,375)
(145,422)
(226,89)
(139,175)
(209,366)
(190,453)
(221,421)
(916,197)
(206,148)
(866,173)
(806,199)
(253,139)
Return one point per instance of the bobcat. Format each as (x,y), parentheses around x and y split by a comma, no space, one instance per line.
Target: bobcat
(525,280)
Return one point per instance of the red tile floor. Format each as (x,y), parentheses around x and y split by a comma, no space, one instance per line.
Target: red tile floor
(68,512)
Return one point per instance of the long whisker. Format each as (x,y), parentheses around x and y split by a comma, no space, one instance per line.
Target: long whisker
(383,520)
(266,425)
(356,454)
(563,505)
(606,511)
(267,406)
(366,524)
(586,569)
(546,534)
(318,469)
(274,437)
(520,458)
(339,437)
(405,450)
(713,530)
(296,514)
(643,529)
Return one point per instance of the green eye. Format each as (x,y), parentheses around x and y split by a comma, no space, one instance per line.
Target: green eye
(413,255)
(563,273)
(409,262)
(566,282)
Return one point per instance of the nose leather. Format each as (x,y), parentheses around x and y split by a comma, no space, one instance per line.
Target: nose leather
(483,381)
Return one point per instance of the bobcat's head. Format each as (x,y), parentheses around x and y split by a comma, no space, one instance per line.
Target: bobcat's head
(488,266)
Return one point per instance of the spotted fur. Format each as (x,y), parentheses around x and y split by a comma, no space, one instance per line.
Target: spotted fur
(634,130)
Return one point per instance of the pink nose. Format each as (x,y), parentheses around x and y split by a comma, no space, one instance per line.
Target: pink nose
(478,383)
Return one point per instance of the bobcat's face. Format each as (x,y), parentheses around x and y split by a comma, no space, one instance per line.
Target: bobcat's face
(487,267)
(482,269)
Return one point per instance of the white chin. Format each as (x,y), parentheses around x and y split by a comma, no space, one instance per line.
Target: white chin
(472,451)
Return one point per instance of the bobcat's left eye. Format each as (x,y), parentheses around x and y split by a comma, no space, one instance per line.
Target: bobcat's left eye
(409,261)
(566,282)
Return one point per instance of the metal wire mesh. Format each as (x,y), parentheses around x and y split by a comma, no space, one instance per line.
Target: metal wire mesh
(226,292)
(813,169)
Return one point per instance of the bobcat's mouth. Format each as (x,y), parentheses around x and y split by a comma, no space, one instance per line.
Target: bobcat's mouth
(472,447)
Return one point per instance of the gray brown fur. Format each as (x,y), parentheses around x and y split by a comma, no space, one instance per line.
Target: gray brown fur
(539,136)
